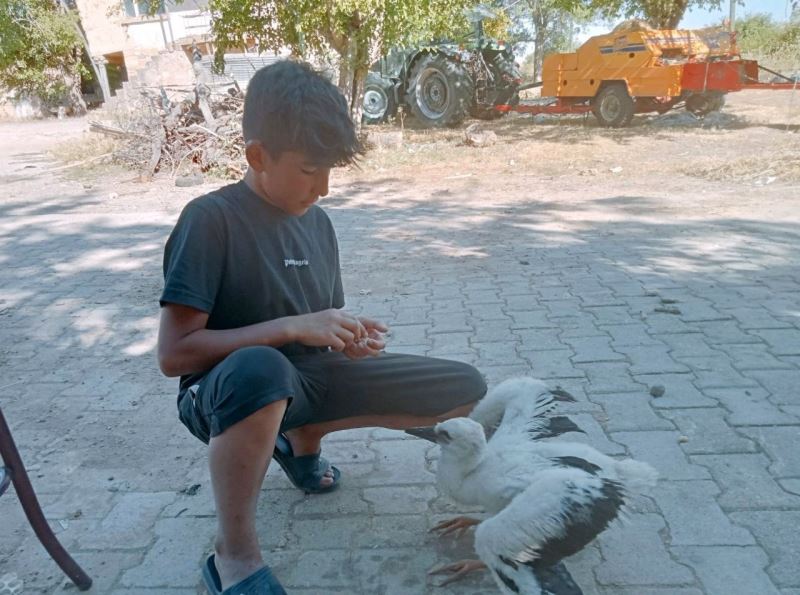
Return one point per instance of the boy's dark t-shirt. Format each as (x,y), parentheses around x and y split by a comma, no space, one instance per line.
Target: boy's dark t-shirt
(243,261)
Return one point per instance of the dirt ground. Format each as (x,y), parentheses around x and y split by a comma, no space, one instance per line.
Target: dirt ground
(746,157)
(750,150)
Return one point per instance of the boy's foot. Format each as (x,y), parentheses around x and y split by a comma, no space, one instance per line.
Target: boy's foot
(308,472)
(304,443)
(248,579)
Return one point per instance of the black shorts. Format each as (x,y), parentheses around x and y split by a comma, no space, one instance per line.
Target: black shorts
(324,387)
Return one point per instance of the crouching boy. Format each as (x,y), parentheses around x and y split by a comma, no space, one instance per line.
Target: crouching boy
(253,321)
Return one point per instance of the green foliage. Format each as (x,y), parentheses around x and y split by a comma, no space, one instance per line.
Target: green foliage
(357,31)
(661,14)
(39,48)
(775,44)
(315,25)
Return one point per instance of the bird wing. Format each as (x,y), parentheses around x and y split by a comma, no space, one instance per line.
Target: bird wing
(516,403)
(562,511)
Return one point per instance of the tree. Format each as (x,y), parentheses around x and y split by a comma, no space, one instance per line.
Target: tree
(40,52)
(661,14)
(357,31)
(778,43)
(552,23)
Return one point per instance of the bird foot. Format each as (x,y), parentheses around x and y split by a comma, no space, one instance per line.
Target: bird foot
(458,570)
(460,524)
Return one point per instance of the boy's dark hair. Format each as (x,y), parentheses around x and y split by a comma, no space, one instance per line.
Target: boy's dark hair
(290,107)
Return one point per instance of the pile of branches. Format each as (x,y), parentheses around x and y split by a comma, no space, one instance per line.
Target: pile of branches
(199,133)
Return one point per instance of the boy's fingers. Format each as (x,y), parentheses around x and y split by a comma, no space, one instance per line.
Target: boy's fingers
(375,344)
(352,324)
(373,324)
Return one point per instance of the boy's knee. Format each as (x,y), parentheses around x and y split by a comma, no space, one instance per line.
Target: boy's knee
(258,364)
(471,382)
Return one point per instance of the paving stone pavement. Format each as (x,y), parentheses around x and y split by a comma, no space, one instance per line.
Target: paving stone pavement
(606,310)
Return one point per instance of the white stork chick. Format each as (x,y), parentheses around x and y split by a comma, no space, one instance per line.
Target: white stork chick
(517,406)
(544,508)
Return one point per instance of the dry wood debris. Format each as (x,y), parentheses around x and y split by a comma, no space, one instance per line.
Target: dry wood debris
(201,132)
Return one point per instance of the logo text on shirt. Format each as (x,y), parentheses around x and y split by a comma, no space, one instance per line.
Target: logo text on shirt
(291,262)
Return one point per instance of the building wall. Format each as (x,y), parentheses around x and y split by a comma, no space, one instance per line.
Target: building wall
(150,45)
(102,22)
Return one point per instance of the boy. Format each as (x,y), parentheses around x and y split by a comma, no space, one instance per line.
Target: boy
(252,321)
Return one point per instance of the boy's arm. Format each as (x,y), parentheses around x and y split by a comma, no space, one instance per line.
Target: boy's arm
(185,345)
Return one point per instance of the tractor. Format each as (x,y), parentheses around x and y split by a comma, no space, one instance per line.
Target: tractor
(442,83)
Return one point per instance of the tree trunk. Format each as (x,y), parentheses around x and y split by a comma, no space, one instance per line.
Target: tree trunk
(74,98)
(664,14)
(540,36)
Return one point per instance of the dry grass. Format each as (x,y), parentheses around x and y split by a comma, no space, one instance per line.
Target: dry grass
(89,146)
(781,165)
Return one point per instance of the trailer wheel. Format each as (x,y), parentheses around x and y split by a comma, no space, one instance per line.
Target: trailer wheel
(379,104)
(440,91)
(613,107)
(702,104)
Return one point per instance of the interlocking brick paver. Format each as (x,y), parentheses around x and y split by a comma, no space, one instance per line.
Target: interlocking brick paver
(500,353)
(447,343)
(172,561)
(626,551)
(706,431)
(729,570)
(609,377)
(652,360)
(753,356)
(634,334)
(526,319)
(551,364)
(780,443)
(694,517)
(128,524)
(748,318)
(400,500)
(781,341)
(715,372)
(687,344)
(782,384)
(750,407)
(593,349)
(574,298)
(746,482)
(630,411)
(662,450)
(489,313)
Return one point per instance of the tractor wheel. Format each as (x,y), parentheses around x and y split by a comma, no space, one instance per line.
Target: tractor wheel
(379,103)
(613,107)
(702,104)
(440,91)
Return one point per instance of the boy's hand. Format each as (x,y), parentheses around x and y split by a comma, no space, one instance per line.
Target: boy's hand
(372,344)
(328,328)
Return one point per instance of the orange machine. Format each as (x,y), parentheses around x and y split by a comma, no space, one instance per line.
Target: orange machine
(637,69)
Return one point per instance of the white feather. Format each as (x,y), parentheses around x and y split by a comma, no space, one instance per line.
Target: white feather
(518,404)
(535,497)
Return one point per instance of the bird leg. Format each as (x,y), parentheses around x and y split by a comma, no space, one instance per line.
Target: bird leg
(458,570)
(460,524)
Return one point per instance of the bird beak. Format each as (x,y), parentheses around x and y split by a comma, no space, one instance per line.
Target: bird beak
(561,395)
(426,433)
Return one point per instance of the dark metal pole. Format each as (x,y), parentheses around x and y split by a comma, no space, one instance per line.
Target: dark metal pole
(30,504)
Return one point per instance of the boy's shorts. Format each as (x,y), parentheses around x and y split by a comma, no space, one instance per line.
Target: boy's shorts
(325,387)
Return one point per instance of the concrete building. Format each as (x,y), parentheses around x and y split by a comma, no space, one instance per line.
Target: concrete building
(145,50)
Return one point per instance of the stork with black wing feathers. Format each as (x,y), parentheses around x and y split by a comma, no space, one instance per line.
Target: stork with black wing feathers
(547,499)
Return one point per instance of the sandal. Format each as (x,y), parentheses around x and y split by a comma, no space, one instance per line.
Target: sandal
(306,471)
(261,582)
